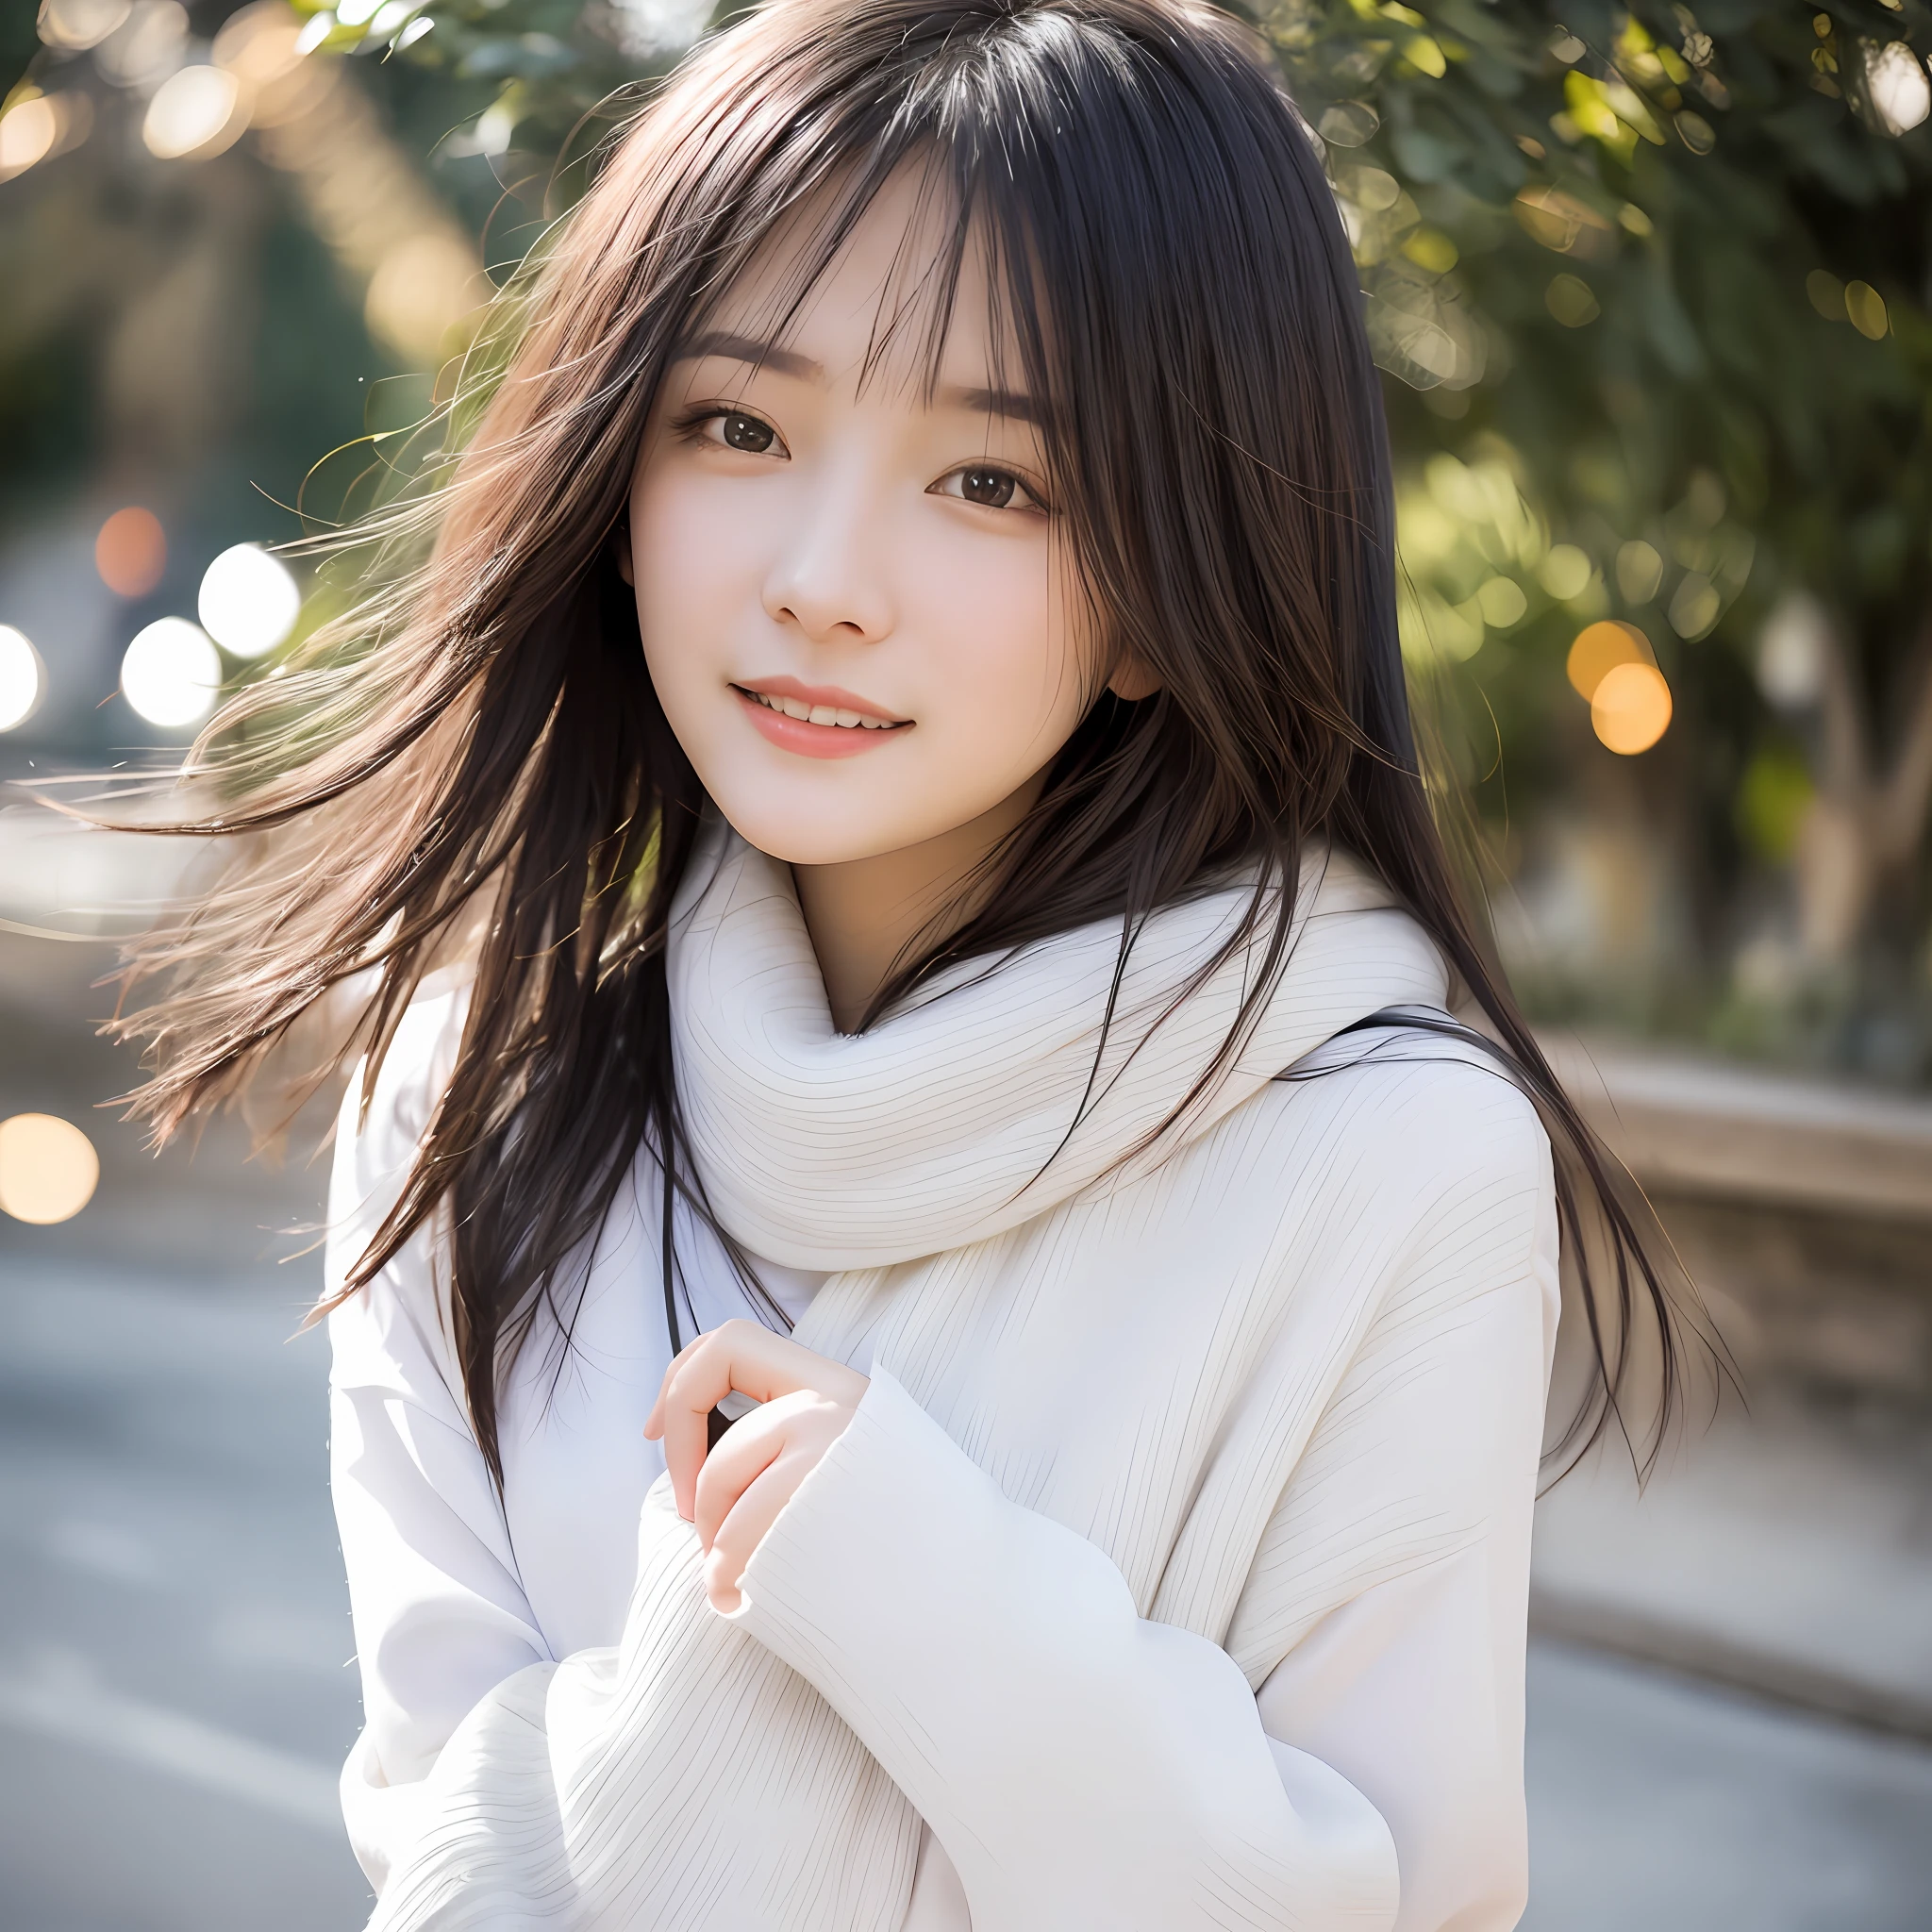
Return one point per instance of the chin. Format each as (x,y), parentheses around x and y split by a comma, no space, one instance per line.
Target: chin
(803,833)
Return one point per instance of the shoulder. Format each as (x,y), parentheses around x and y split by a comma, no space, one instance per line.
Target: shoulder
(1401,1107)
(1390,1170)
(1411,1195)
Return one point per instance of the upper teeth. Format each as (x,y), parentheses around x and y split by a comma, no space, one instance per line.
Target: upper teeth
(818,714)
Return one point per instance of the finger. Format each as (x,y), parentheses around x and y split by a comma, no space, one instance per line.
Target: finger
(740,1355)
(744,1528)
(654,1422)
(742,1454)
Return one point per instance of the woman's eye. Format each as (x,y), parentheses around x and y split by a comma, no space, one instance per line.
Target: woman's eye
(735,431)
(989,485)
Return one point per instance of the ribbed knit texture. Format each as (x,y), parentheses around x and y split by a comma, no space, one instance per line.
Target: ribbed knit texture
(950,1123)
(1151,1376)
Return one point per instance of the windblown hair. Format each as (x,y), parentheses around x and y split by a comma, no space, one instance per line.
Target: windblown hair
(473,762)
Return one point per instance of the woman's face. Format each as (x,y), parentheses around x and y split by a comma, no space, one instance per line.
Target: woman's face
(856,604)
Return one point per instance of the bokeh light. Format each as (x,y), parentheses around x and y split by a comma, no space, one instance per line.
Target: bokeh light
(1825,294)
(1866,308)
(1572,301)
(1349,123)
(48,1168)
(1566,572)
(131,552)
(74,26)
(249,601)
(38,126)
(315,30)
(1599,649)
(1793,652)
(422,285)
(1631,708)
(172,672)
(261,46)
(1695,132)
(1640,571)
(1502,602)
(147,46)
(1695,607)
(1895,81)
(28,133)
(196,112)
(23,678)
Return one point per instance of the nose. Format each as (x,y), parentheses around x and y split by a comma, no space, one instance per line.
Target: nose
(830,577)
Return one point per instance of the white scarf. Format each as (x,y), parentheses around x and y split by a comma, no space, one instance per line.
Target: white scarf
(958,1160)
(962,1117)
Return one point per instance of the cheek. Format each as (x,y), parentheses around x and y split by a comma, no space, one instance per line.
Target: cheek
(689,579)
(1009,669)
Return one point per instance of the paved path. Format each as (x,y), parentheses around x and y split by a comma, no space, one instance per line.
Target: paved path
(174,1689)
(1659,1805)
(175,1680)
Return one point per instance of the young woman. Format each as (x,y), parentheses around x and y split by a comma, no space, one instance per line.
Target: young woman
(882,865)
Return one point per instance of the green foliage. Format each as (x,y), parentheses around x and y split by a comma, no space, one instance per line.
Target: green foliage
(1596,239)
(1666,272)
(560,69)
(1773,797)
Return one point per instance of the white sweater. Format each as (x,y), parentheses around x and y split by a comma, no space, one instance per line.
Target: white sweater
(1173,1573)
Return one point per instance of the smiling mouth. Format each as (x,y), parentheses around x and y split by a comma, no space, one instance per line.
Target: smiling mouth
(837,717)
(809,721)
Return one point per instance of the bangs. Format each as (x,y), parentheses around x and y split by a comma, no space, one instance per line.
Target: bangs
(814,193)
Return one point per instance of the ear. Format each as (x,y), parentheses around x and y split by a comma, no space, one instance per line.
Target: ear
(1132,680)
(619,545)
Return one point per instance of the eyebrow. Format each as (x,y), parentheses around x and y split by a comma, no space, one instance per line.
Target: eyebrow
(1000,402)
(750,351)
(757,354)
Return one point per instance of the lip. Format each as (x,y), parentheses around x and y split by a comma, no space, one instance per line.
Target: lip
(835,695)
(814,741)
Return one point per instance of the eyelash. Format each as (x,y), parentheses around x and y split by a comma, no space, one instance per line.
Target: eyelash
(691,426)
(1032,506)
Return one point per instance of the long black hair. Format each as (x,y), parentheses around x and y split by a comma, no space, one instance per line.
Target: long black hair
(474,759)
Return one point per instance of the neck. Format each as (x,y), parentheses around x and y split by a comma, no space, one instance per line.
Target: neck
(862,913)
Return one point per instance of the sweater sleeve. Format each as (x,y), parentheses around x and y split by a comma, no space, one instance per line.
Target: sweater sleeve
(438,1613)
(1079,1764)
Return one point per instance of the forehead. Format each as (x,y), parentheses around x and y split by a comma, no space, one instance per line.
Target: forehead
(900,289)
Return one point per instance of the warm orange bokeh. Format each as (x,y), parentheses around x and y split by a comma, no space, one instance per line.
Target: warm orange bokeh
(1599,649)
(131,552)
(1631,708)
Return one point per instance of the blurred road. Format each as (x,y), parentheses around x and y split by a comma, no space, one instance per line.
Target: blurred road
(175,1683)
(1658,1804)
(176,1688)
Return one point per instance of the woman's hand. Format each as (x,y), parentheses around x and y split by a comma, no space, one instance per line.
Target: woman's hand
(734,1493)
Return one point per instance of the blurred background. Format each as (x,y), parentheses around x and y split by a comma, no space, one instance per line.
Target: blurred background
(1650,287)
